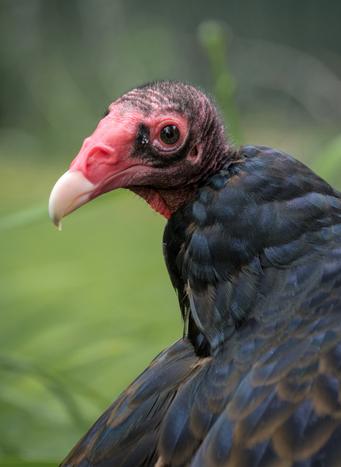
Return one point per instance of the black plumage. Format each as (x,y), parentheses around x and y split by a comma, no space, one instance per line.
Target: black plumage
(255,257)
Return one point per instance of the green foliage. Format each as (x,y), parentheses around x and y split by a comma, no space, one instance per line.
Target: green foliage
(83,312)
(11,462)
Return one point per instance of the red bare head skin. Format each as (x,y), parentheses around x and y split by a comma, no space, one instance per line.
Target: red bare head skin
(160,140)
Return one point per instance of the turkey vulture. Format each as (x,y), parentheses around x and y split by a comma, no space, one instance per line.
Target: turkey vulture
(253,249)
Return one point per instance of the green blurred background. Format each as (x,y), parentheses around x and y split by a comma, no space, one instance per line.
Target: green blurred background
(85,310)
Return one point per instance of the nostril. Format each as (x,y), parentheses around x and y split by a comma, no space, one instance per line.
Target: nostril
(95,161)
(100,150)
(98,154)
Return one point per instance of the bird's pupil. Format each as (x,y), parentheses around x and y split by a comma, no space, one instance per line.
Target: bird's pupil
(170,134)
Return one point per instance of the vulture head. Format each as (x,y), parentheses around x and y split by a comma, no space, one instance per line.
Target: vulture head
(160,140)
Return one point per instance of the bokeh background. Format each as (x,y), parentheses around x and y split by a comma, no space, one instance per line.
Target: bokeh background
(85,310)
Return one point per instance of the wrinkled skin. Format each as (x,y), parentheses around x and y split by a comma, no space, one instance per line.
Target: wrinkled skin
(253,249)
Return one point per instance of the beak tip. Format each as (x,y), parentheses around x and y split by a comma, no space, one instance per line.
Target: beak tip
(70,192)
(56,219)
(57,223)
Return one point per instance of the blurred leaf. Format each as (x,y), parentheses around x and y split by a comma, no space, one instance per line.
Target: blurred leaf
(20,218)
(50,381)
(328,162)
(214,37)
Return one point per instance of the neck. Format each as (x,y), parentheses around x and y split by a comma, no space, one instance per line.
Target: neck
(164,201)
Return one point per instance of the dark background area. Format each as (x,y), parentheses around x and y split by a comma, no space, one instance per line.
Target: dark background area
(85,310)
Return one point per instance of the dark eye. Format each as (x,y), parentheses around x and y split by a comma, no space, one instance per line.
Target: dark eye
(170,134)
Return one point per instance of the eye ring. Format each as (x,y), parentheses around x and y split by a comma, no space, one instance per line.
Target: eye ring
(170,134)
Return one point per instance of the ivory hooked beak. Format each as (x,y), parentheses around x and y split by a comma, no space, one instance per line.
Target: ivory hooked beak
(71,191)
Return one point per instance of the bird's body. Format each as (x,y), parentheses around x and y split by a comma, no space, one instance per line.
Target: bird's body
(253,249)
